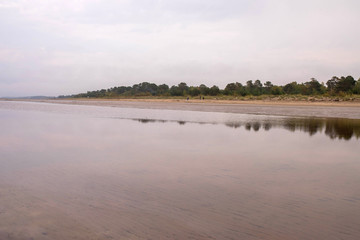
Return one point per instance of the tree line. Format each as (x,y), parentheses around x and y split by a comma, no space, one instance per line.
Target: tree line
(333,87)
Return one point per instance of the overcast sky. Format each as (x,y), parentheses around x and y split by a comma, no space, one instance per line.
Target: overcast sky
(63,47)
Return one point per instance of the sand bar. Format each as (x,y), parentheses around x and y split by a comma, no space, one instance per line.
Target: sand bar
(349,110)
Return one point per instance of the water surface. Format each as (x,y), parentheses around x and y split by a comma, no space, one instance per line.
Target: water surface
(82,172)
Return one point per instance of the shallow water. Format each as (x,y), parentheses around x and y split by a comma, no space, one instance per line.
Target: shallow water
(84,172)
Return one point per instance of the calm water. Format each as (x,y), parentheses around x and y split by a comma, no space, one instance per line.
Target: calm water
(82,172)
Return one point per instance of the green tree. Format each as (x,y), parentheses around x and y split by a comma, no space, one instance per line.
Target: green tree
(214,90)
(249,87)
(332,84)
(194,91)
(175,91)
(356,88)
(204,90)
(276,90)
(257,88)
(345,84)
(183,87)
(258,84)
(311,87)
(163,89)
(234,89)
(267,87)
(292,88)
(230,89)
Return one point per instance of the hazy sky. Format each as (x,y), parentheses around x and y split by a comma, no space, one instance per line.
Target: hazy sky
(62,47)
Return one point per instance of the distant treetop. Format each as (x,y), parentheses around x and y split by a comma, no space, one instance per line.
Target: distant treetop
(334,86)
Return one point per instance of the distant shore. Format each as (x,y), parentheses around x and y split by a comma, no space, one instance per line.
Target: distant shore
(268,101)
(334,109)
(276,102)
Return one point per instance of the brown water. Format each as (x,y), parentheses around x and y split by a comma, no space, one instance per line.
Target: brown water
(81,172)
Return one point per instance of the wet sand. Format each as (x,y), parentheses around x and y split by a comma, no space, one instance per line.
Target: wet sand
(349,110)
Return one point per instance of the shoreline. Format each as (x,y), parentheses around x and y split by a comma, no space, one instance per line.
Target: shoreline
(349,110)
(206,101)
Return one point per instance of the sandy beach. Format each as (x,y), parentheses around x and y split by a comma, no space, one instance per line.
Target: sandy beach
(349,109)
(216,101)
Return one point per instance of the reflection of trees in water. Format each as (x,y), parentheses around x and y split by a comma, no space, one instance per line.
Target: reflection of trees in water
(345,129)
(267,126)
(146,120)
(256,126)
(250,125)
(310,126)
(334,128)
(233,124)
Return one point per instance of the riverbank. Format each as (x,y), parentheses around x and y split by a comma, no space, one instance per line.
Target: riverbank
(346,109)
(296,101)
